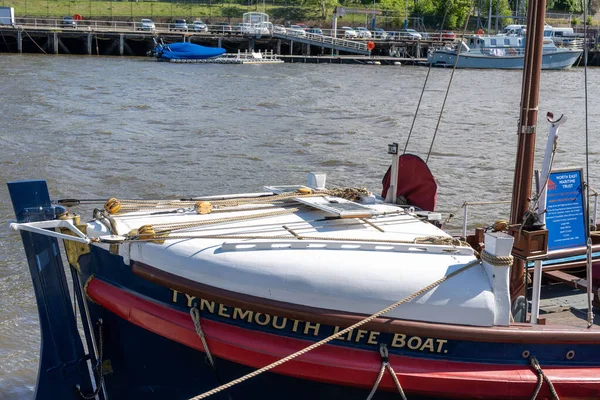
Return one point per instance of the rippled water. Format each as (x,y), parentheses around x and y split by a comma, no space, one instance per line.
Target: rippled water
(133,128)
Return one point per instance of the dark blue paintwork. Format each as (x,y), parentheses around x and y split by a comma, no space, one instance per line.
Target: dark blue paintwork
(62,359)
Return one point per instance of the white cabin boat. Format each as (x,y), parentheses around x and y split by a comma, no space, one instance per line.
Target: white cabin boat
(501,51)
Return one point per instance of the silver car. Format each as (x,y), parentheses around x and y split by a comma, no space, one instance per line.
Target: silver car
(146,25)
(199,26)
(179,25)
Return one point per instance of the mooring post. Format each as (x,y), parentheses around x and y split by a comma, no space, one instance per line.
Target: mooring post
(20,40)
(220,42)
(308,49)
(89,44)
(251,44)
(121,43)
(55,42)
(279,47)
(291,47)
(63,362)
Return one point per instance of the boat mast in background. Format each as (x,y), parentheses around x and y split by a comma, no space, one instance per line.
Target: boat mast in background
(523,177)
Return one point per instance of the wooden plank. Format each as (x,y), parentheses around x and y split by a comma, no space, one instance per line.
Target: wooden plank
(572,280)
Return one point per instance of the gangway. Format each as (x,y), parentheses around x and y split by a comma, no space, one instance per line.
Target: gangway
(328,42)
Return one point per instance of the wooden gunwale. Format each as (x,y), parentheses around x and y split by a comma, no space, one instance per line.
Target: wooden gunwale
(515,333)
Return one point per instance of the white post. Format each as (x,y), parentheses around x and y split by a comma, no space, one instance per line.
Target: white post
(537,269)
(392,192)
(537,288)
(499,244)
(552,139)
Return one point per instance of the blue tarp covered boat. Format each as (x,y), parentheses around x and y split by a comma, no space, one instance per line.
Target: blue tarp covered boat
(184,50)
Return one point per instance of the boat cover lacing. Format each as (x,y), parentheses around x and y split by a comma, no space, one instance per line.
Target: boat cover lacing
(385,364)
(541,377)
(338,334)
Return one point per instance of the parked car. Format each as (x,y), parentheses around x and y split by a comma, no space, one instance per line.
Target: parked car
(279,29)
(179,25)
(68,22)
(363,33)
(315,31)
(296,30)
(379,33)
(146,25)
(221,27)
(447,35)
(349,32)
(199,26)
(409,34)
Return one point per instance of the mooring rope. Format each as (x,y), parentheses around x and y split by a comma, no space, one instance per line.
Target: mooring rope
(336,335)
(385,364)
(541,377)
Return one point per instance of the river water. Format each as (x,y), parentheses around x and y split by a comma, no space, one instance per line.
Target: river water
(133,128)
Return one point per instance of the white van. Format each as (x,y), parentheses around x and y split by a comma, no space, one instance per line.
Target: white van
(514,30)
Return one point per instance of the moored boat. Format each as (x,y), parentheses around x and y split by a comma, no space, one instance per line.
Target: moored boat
(501,51)
(185,51)
(331,293)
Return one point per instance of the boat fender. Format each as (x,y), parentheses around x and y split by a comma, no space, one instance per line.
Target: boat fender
(370,46)
(112,205)
(480,32)
(203,207)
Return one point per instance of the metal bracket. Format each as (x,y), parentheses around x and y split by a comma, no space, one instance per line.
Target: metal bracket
(528,129)
(42,227)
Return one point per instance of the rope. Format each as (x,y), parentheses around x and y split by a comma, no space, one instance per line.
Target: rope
(161,228)
(195,314)
(385,364)
(499,261)
(458,49)
(456,242)
(541,377)
(139,205)
(34,42)
(335,335)
(100,367)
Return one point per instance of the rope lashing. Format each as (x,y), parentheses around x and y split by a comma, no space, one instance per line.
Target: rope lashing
(499,261)
(385,364)
(336,335)
(541,377)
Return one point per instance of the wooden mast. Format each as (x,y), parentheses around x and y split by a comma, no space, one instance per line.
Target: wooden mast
(523,177)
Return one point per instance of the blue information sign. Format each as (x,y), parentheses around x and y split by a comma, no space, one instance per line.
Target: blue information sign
(565,216)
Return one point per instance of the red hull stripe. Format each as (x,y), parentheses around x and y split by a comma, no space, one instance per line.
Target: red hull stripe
(341,365)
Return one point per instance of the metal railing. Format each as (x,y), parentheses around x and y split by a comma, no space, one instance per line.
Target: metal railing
(467,204)
(124,26)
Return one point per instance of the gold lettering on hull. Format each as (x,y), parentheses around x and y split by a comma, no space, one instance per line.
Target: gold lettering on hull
(360,336)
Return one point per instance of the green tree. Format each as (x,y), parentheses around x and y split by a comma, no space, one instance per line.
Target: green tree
(324,7)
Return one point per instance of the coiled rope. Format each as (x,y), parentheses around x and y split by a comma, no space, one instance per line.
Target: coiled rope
(336,335)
